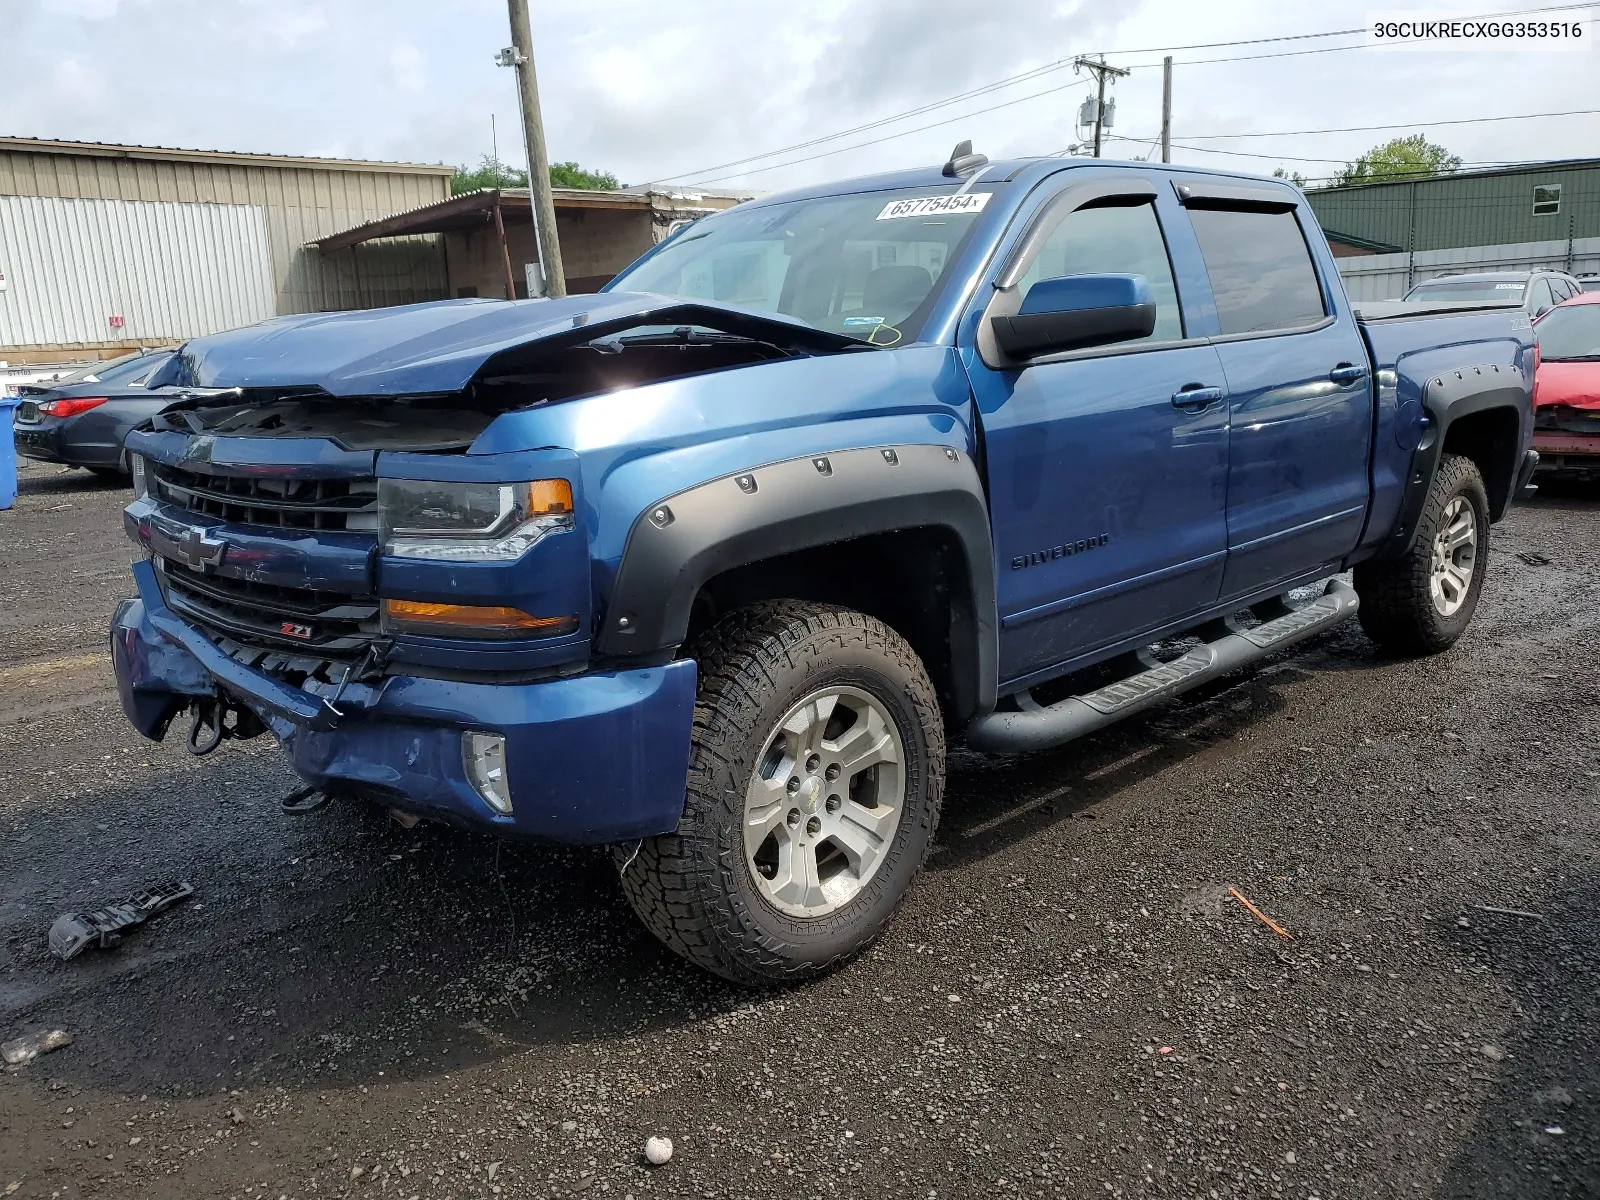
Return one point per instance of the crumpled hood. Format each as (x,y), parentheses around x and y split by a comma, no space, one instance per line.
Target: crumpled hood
(418,349)
(1572,383)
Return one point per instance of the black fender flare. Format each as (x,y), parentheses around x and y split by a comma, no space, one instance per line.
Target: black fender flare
(1446,399)
(688,538)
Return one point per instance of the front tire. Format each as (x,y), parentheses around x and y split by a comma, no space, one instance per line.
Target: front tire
(1422,601)
(815,779)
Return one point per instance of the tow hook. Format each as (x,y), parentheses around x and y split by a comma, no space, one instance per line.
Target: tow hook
(205,731)
(210,726)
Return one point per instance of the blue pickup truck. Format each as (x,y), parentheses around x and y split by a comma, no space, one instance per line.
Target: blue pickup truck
(713,566)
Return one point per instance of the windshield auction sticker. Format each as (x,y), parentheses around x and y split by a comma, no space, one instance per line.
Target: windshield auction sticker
(936,206)
(1553,30)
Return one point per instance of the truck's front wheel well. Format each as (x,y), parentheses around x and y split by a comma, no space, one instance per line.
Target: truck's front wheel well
(1489,439)
(913,580)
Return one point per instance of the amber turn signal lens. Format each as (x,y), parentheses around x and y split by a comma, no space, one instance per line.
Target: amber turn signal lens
(467,620)
(549,496)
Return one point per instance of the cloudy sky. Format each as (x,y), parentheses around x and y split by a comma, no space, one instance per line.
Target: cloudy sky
(659,89)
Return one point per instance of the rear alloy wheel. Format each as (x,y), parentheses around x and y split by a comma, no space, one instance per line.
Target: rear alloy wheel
(815,779)
(1421,601)
(1455,554)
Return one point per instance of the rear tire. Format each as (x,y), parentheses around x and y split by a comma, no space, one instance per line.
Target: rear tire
(815,778)
(1422,601)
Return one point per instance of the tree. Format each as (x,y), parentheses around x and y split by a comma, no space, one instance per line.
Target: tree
(571,175)
(493,174)
(1413,157)
(1293,177)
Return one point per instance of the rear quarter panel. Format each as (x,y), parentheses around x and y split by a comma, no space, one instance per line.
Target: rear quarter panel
(1408,352)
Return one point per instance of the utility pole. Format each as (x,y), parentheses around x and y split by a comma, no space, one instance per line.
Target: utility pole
(1101,69)
(1166,109)
(520,56)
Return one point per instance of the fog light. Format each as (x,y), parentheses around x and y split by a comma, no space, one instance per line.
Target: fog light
(484,756)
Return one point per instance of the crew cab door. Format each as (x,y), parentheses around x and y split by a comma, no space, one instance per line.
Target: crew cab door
(1107,467)
(1299,395)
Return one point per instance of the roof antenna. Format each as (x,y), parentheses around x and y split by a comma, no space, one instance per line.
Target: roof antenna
(963,161)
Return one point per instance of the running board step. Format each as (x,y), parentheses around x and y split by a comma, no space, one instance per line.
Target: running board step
(1036,727)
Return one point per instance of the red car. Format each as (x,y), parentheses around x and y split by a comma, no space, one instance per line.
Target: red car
(1566,390)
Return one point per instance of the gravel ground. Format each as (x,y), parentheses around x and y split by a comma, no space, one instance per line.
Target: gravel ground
(1070,1004)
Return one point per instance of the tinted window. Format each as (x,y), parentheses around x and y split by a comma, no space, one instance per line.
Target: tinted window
(1260,269)
(1540,300)
(1570,334)
(1120,241)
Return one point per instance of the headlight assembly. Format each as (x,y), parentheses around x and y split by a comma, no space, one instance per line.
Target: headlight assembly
(471,522)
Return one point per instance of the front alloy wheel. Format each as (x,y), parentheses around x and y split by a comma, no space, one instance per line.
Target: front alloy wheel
(824,802)
(815,777)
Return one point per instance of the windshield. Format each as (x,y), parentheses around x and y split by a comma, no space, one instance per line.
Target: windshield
(865,265)
(1484,291)
(1570,333)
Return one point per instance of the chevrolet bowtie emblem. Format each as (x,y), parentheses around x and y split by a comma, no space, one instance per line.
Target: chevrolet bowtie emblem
(191,545)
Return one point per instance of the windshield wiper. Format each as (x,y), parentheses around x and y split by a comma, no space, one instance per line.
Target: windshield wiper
(684,336)
(1571,358)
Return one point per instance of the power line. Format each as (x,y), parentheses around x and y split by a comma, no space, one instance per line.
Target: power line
(904,132)
(1300,37)
(972,93)
(1232,58)
(1213,150)
(1419,173)
(1300,157)
(1361,45)
(1575,112)
(1048,68)
(1021,77)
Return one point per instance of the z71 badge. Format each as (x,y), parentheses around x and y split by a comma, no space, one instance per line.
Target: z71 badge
(1034,557)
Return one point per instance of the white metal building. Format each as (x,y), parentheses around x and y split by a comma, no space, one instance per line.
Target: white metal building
(104,248)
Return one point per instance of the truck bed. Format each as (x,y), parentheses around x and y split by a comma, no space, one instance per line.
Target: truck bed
(1410,345)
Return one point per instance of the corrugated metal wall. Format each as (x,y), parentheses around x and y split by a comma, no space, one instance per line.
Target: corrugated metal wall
(1464,210)
(299,202)
(1390,276)
(166,271)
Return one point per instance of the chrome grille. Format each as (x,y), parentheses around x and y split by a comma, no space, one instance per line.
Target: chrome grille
(276,502)
(303,620)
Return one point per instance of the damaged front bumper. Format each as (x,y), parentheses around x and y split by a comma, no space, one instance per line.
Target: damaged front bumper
(593,758)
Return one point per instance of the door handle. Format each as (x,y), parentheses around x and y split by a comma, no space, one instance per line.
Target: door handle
(1195,397)
(1347,373)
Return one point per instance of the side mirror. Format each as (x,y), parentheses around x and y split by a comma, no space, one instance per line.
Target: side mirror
(1074,312)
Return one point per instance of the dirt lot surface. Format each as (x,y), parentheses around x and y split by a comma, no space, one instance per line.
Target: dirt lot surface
(1071,1003)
